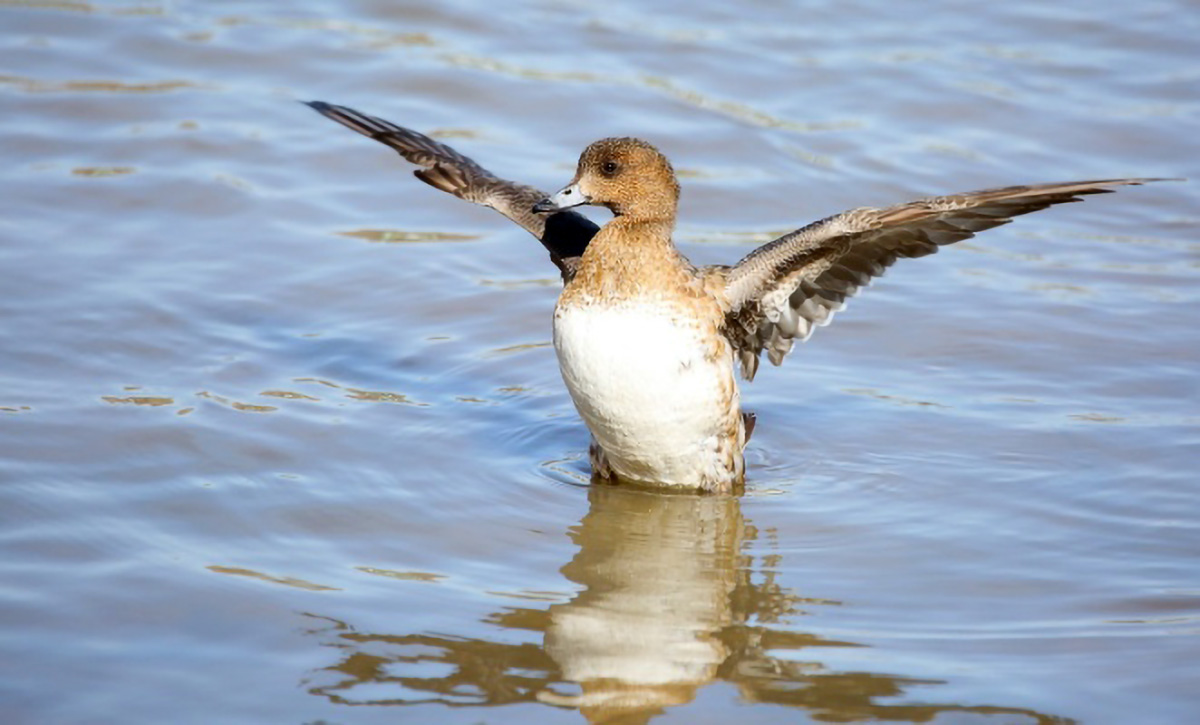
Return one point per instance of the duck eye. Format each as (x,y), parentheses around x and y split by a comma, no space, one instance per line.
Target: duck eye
(608,168)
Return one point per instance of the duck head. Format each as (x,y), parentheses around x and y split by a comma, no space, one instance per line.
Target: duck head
(627,175)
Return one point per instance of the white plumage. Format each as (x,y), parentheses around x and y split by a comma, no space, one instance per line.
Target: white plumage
(643,378)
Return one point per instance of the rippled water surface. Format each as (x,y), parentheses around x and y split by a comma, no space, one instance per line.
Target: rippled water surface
(283,439)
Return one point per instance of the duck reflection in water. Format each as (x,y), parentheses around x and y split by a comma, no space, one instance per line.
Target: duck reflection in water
(659,574)
(670,602)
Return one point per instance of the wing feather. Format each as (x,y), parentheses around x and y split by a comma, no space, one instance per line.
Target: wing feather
(782,291)
(564,235)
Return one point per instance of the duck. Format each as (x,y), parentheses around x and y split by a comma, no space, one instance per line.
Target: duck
(649,344)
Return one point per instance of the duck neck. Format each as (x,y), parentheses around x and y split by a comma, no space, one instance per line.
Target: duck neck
(632,256)
(632,236)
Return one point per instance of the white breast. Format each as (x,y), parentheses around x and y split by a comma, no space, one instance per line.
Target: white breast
(645,382)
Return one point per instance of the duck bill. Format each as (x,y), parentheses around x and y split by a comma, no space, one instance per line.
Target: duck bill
(569,197)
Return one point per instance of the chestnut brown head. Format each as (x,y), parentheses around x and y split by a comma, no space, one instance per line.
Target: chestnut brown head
(627,175)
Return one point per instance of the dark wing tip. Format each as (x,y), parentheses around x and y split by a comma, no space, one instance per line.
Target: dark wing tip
(1106,186)
(1138,181)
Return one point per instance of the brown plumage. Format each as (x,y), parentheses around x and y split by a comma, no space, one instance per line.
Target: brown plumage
(564,235)
(638,331)
(787,288)
(777,294)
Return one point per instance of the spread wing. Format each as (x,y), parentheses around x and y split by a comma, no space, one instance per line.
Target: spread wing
(564,234)
(782,291)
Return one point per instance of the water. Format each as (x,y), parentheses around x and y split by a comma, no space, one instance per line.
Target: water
(282,438)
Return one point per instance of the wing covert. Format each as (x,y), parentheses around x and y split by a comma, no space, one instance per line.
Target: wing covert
(564,235)
(782,291)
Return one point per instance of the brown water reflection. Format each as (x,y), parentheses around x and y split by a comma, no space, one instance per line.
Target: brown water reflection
(670,602)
